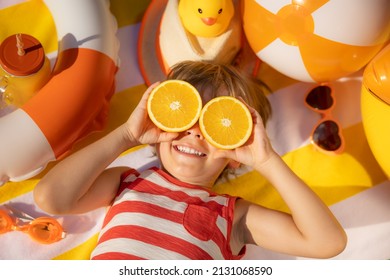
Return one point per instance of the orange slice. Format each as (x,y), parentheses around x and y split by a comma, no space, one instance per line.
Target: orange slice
(174,105)
(226,122)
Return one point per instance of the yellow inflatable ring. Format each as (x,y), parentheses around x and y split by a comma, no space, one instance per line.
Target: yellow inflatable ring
(75,101)
(375,103)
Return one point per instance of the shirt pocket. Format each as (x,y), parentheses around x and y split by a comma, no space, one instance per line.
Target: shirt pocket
(200,221)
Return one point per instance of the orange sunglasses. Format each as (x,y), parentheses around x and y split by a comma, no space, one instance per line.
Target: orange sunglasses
(44,230)
(326,134)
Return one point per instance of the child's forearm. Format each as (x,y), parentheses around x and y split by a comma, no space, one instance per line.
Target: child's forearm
(85,165)
(311,216)
(69,180)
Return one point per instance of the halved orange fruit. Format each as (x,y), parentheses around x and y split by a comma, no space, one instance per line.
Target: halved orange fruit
(174,105)
(226,122)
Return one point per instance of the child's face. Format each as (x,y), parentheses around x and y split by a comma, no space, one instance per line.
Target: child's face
(190,158)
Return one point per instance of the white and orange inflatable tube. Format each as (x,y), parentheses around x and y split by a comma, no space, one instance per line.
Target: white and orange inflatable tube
(75,101)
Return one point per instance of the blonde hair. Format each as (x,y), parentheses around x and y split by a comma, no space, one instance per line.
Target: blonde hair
(222,79)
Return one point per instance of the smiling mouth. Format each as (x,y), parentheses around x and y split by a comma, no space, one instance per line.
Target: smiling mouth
(189,151)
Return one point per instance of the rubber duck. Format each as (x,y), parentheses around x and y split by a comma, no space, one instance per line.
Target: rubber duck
(205,18)
(165,41)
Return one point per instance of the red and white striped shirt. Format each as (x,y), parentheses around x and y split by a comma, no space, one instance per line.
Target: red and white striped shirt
(156,216)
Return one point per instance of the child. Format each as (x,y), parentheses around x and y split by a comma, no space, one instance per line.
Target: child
(171,212)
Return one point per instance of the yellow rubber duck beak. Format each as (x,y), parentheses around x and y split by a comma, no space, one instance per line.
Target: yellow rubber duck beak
(205,18)
(209,21)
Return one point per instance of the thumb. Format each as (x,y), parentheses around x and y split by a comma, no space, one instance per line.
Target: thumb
(224,154)
(167,136)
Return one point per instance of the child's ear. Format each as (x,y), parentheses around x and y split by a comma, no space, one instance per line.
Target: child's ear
(233,164)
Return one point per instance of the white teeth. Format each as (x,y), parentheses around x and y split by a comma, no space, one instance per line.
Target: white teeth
(190,151)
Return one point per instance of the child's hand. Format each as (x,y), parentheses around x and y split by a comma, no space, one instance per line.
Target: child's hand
(257,150)
(141,129)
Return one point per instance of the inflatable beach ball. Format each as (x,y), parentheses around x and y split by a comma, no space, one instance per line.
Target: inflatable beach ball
(375,103)
(316,41)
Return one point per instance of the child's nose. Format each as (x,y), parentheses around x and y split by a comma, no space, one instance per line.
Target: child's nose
(195,131)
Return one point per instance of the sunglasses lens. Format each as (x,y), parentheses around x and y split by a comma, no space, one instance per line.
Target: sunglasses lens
(326,136)
(45,231)
(320,98)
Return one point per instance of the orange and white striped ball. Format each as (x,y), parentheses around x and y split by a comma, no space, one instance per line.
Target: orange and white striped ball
(316,41)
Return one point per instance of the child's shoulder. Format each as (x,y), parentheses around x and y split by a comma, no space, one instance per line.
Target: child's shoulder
(129,172)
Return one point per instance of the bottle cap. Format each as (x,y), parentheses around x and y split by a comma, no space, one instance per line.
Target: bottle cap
(21,65)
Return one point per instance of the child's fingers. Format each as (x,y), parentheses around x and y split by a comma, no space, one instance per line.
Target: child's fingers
(144,100)
(255,115)
(151,87)
(149,90)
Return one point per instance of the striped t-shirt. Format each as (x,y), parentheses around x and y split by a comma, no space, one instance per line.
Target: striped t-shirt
(156,216)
